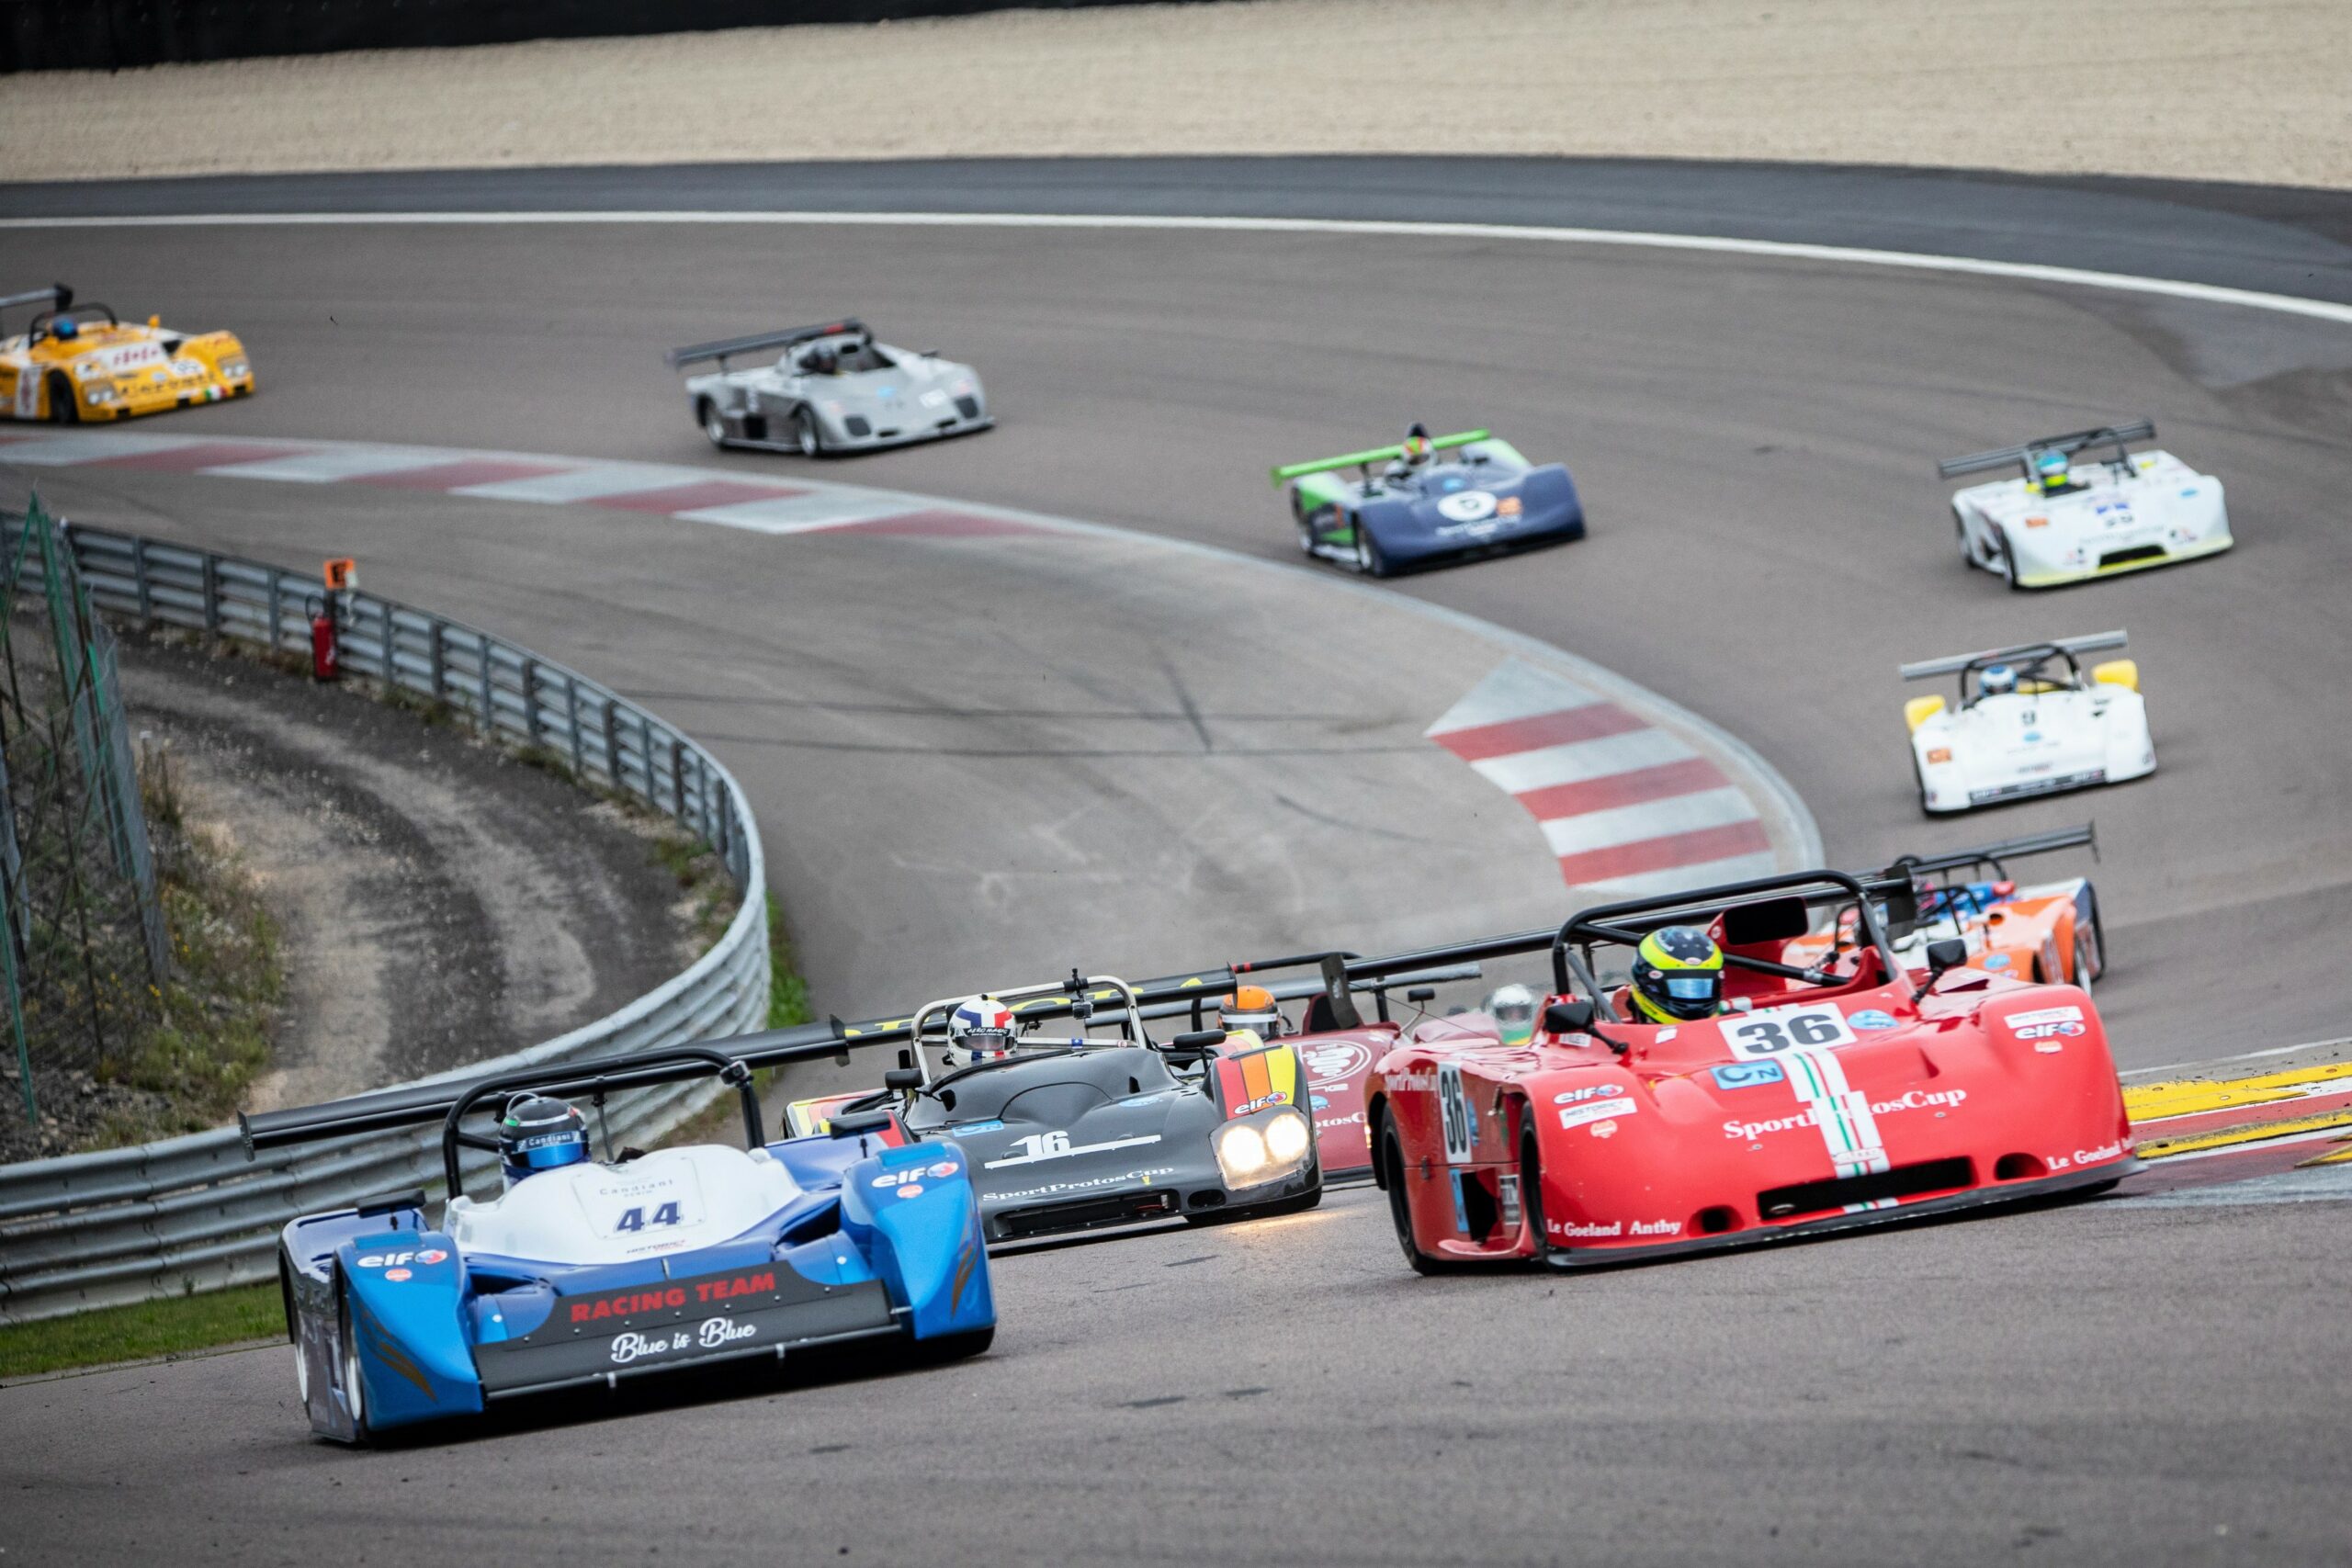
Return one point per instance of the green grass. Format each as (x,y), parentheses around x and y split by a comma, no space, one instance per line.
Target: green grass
(787,992)
(168,1328)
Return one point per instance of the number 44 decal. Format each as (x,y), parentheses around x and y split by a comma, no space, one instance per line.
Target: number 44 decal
(635,1219)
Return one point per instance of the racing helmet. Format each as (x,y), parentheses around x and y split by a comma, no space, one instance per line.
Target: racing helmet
(1678,975)
(1996,680)
(1251,1007)
(61,327)
(1514,1010)
(540,1133)
(2052,470)
(1417,445)
(979,1029)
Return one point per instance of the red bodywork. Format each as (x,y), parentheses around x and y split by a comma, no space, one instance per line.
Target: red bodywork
(1823,1108)
(1338,1063)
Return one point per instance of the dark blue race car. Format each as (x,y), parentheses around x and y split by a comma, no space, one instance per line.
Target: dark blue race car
(1428,499)
(634,1265)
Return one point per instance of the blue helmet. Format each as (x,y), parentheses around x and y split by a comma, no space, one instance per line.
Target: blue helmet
(539,1134)
(1997,679)
(2051,467)
(63,327)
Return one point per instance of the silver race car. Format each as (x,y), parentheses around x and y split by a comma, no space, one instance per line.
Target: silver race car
(833,388)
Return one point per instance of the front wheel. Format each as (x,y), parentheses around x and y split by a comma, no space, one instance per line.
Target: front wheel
(1369,560)
(2091,951)
(355,1387)
(64,407)
(2005,562)
(714,424)
(810,440)
(1400,1208)
(1531,1184)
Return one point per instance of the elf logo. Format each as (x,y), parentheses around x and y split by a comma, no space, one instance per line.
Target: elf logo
(426,1256)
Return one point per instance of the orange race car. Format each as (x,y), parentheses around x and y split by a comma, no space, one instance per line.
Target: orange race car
(83,362)
(2046,933)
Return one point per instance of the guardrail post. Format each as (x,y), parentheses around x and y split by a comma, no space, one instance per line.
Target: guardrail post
(612,746)
(572,723)
(483,720)
(432,628)
(530,701)
(139,578)
(211,595)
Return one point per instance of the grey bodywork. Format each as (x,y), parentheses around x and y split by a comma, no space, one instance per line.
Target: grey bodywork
(877,395)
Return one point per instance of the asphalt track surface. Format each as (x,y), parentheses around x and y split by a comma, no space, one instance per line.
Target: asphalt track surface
(2107,1382)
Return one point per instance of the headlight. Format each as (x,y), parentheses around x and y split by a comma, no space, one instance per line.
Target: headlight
(100,395)
(234,369)
(1249,1155)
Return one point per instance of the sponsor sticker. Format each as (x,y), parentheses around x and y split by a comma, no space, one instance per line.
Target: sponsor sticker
(1870,1018)
(1747,1074)
(2045,1015)
(972,1129)
(1810,1116)
(1334,1059)
(398,1274)
(943,1170)
(672,1297)
(1585,1112)
(1468,506)
(1575,1096)
(708,1335)
(911,1190)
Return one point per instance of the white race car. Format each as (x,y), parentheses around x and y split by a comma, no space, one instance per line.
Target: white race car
(2066,522)
(2029,723)
(834,388)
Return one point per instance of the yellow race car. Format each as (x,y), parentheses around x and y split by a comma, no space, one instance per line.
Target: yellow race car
(77,363)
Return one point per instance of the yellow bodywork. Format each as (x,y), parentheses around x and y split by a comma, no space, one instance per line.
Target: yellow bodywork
(109,370)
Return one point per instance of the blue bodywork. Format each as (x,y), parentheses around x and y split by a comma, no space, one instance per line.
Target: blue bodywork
(882,1243)
(1484,498)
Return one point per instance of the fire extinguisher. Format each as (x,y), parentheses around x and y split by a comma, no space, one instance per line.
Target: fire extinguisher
(326,656)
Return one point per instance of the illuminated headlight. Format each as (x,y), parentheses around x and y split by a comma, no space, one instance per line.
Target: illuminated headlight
(96,395)
(1250,1155)
(235,368)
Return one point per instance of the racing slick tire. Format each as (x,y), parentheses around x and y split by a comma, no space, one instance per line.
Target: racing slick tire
(355,1387)
(1967,551)
(954,1347)
(1531,1184)
(2090,950)
(1305,529)
(2006,563)
(1369,560)
(63,409)
(1400,1212)
(805,434)
(1920,781)
(714,424)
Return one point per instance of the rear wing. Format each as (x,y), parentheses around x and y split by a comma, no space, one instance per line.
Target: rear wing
(56,295)
(1995,856)
(1283,476)
(1928,668)
(724,349)
(2072,442)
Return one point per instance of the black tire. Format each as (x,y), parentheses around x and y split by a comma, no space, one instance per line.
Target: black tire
(2006,563)
(954,1347)
(1400,1212)
(1531,1183)
(1919,779)
(2090,950)
(354,1389)
(714,424)
(807,434)
(64,408)
(1369,560)
(1960,526)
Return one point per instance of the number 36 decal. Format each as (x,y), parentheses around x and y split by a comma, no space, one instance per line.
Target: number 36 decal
(1782,1030)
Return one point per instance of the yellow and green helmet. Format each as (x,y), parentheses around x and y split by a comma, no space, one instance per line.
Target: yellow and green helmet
(1678,975)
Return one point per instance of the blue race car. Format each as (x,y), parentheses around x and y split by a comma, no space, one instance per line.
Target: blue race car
(1431,498)
(591,1270)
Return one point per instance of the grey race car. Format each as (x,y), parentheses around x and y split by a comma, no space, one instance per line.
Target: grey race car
(1081,1132)
(833,388)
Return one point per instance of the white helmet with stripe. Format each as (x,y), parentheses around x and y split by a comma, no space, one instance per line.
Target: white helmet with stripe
(979,1029)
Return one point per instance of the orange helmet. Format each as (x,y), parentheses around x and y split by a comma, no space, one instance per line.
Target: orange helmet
(1251,1008)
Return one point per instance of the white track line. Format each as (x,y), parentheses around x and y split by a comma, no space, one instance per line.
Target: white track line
(2028,272)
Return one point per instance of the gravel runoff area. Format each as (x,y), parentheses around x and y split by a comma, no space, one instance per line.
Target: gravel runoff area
(439,901)
(2250,90)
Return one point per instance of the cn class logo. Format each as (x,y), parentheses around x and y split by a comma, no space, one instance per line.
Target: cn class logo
(1468,506)
(1336,1060)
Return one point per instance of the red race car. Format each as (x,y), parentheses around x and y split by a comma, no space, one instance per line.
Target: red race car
(1817,1100)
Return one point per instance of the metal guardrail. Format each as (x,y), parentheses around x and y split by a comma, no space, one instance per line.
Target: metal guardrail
(193,1213)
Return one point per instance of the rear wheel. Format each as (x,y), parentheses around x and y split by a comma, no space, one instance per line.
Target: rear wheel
(714,424)
(2090,952)
(804,433)
(1400,1208)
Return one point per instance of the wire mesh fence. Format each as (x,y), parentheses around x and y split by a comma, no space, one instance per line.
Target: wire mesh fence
(86,952)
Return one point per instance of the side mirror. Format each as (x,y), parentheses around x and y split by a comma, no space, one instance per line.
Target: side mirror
(1950,954)
(1421,996)
(1919,710)
(1569,1018)
(1198,1040)
(2123,672)
(900,1081)
(859,1123)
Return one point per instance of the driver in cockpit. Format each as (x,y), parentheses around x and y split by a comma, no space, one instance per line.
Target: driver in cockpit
(538,1133)
(1413,455)
(1678,977)
(981,1029)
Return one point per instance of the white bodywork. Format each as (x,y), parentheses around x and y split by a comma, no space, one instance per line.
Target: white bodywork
(2015,744)
(671,1200)
(905,397)
(2162,511)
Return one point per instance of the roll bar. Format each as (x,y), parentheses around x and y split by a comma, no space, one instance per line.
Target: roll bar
(2070,443)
